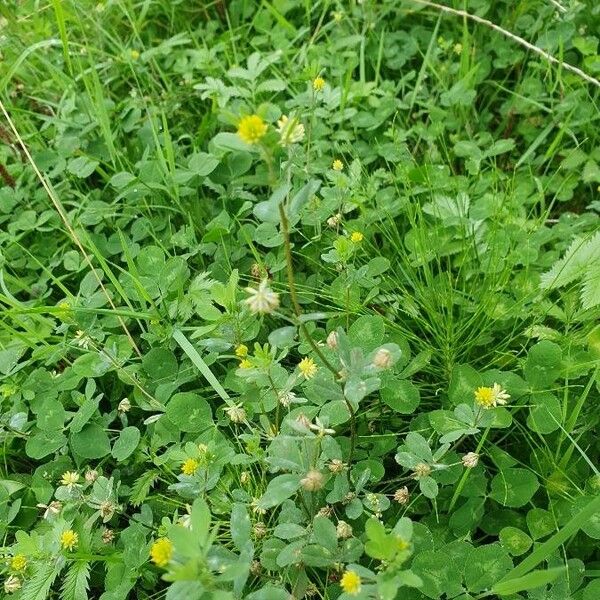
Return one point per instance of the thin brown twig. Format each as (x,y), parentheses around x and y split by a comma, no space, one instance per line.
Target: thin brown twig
(512,36)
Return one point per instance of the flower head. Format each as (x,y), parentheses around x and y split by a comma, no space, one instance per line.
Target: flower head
(236,413)
(337,165)
(357,237)
(124,406)
(490,397)
(307,367)
(291,131)
(91,475)
(245,364)
(318,84)
(383,359)
(251,129)
(161,552)
(190,466)
(134,54)
(69,540)
(286,398)
(421,470)
(343,530)
(401,495)
(52,509)
(336,466)
(12,584)
(108,535)
(351,582)
(262,299)
(332,340)
(470,460)
(69,479)
(241,351)
(18,562)
(313,481)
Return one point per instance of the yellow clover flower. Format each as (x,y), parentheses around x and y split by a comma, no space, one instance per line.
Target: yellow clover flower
(318,84)
(69,540)
(241,351)
(18,562)
(490,397)
(337,165)
(251,129)
(161,552)
(190,466)
(351,583)
(307,367)
(357,237)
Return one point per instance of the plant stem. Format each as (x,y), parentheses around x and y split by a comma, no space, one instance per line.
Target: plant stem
(285,228)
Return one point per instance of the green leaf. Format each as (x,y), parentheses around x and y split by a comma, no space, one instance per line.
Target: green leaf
(401,395)
(367,332)
(202,164)
(159,364)
(126,443)
(189,412)
(76,582)
(46,442)
(240,526)
(517,542)
(530,581)
(91,442)
(485,565)
(38,586)
(82,166)
(542,366)
(514,487)
(279,489)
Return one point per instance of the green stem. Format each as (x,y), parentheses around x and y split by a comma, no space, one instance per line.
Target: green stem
(285,228)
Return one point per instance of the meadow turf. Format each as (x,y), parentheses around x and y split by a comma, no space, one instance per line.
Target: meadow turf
(299,299)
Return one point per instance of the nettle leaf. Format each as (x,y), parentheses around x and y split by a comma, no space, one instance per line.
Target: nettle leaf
(514,487)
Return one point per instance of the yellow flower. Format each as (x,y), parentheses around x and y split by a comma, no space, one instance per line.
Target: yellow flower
(350,583)
(490,397)
(307,367)
(245,364)
(357,237)
(190,466)
(161,552)
(251,129)
(69,540)
(241,351)
(134,54)
(337,165)
(18,562)
(318,84)
(69,478)
(457,48)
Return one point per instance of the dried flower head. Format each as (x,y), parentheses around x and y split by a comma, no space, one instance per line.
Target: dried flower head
(313,481)
(470,460)
(336,466)
(236,413)
(291,131)
(107,510)
(108,535)
(11,584)
(262,300)
(401,495)
(286,398)
(343,530)
(259,530)
(334,221)
(421,470)
(91,475)
(383,359)
(332,340)
(124,406)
